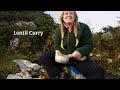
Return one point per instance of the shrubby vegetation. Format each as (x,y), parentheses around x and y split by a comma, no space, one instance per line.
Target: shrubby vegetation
(106,51)
(30,45)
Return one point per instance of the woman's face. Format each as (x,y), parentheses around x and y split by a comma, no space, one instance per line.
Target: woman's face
(68,16)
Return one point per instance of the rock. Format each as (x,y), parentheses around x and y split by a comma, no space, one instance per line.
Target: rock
(109,60)
(91,54)
(119,56)
(107,35)
(98,55)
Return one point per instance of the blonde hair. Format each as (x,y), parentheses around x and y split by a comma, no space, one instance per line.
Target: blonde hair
(76,25)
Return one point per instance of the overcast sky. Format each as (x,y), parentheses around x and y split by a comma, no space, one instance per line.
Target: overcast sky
(94,19)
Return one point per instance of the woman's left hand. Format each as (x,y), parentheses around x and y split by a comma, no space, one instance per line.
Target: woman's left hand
(78,56)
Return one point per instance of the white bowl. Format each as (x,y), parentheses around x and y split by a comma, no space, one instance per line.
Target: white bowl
(61,59)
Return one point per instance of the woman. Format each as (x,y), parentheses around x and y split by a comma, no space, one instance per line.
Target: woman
(74,38)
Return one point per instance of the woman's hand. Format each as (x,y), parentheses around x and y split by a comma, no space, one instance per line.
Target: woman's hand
(57,52)
(78,56)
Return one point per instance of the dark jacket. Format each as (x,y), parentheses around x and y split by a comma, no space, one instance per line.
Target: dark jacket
(85,45)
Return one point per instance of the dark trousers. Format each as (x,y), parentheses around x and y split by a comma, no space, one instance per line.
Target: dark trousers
(87,68)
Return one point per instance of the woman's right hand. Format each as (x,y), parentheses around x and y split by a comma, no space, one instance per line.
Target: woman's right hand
(57,52)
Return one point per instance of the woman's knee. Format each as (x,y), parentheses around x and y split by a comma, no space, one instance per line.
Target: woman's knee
(101,73)
(46,57)
(43,56)
(97,73)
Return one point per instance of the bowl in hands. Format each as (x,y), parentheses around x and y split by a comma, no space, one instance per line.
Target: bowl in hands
(63,59)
